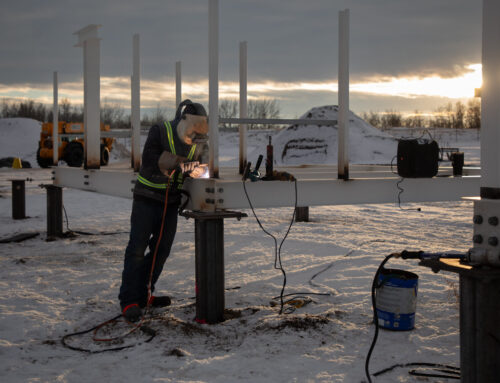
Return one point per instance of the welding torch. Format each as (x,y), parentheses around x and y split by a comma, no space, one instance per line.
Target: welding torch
(422,255)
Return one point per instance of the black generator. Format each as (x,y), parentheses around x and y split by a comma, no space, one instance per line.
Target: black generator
(418,158)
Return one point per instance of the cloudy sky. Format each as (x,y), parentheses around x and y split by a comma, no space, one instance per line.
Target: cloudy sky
(405,54)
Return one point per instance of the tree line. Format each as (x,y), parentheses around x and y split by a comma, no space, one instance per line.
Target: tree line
(112,114)
(115,116)
(456,116)
(265,108)
(229,108)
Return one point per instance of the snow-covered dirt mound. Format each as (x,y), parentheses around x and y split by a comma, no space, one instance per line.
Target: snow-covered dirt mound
(317,144)
(19,138)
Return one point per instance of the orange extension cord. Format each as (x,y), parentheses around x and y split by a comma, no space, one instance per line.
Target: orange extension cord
(148,303)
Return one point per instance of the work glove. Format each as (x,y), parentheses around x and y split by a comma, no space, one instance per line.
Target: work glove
(200,171)
(188,167)
(168,162)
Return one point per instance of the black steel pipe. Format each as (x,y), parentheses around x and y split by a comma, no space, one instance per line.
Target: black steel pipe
(209,260)
(54,211)
(18,199)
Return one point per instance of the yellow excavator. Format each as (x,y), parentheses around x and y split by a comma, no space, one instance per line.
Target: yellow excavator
(70,149)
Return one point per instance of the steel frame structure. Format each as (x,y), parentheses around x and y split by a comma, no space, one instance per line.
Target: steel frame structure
(317,185)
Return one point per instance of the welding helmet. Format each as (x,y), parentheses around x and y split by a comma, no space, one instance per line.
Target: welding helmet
(192,126)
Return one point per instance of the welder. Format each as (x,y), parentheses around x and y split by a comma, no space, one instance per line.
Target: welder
(169,153)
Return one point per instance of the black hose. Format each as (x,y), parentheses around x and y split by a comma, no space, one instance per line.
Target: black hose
(277,250)
(451,372)
(67,336)
(69,231)
(375,315)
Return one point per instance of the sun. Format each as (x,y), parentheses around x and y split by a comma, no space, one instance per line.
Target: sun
(461,86)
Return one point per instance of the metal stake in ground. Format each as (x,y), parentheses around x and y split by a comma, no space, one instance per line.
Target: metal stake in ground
(18,199)
(54,212)
(209,254)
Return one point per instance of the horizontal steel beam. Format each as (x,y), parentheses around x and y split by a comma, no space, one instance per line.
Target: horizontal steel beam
(121,133)
(119,183)
(275,121)
(317,186)
(211,195)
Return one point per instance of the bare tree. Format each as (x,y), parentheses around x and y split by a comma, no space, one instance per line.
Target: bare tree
(414,120)
(65,110)
(391,119)
(473,114)
(373,119)
(265,108)
(157,116)
(459,116)
(228,108)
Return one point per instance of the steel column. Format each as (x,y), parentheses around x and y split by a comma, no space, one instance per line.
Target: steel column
(209,259)
(136,106)
(490,99)
(213,87)
(178,83)
(90,42)
(302,214)
(54,211)
(55,126)
(243,106)
(479,318)
(479,331)
(92,108)
(18,199)
(343,96)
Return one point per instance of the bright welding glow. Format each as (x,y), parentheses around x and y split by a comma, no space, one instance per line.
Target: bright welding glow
(200,171)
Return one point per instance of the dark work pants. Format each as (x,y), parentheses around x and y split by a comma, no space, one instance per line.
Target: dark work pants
(145,224)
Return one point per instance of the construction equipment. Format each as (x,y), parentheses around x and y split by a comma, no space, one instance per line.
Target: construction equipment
(71,144)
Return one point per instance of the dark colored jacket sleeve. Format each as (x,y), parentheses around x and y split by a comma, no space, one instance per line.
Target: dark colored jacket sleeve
(154,146)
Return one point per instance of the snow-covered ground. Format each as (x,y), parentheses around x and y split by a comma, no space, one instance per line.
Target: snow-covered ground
(19,138)
(49,289)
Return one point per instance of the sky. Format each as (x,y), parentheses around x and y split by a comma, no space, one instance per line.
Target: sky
(405,55)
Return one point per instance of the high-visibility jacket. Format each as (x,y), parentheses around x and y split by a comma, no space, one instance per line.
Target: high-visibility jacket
(151,182)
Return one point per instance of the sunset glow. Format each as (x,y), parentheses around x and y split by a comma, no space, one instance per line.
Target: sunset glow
(162,91)
(453,87)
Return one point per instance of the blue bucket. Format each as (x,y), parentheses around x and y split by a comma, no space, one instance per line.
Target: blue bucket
(396,299)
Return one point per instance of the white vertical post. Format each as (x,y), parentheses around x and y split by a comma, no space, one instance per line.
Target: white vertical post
(178,83)
(243,105)
(490,99)
(92,119)
(343,96)
(89,40)
(135,114)
(213,87)
(55,123)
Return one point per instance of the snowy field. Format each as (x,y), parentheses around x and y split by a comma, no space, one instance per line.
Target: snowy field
(49,289)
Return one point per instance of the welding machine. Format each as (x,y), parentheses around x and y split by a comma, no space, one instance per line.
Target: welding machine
(417,158)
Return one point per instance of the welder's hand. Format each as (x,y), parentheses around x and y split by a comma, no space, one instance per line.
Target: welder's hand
(168,162)
(187,167)
(200,172)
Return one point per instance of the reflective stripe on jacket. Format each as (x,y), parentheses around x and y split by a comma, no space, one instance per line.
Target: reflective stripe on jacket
(151,182)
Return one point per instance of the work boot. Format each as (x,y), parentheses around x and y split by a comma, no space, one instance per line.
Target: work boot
(132,313)
(163,301)
(158,301)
